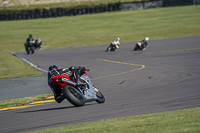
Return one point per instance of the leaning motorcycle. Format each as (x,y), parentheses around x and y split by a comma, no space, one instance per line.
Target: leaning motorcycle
(78,93)
(139,46)
(111,47)
(29,47)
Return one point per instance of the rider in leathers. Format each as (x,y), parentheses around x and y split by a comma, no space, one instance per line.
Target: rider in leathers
(144,43)
(54,70)
(38,43)
(29,40)
(116,43)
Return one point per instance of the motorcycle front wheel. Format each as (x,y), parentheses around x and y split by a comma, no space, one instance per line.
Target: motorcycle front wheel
(32,50)
(27,49)
(73,96)
(135,49)
(108,49)
(100,97)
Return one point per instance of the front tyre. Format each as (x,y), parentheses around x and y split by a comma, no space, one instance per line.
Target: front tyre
(27,50)
(135,49)
(100,97)
(32,50)
(73,96)
(108,49)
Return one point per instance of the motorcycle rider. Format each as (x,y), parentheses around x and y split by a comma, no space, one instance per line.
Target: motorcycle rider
(38,42)
(29,40)
(116,43)
(71,72)
(144,43)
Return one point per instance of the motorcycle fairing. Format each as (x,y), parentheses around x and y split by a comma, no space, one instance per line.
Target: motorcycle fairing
(90,94)
(139,44)
(58,82)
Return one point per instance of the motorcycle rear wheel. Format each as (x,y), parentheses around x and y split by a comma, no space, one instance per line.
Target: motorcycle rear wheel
(73,96)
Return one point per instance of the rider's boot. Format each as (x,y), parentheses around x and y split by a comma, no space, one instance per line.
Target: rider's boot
(59,99)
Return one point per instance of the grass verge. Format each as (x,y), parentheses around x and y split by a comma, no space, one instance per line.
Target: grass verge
(179,121)
(93,29)
(23,101)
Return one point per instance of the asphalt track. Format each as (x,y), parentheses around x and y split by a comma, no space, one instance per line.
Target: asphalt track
(133,83)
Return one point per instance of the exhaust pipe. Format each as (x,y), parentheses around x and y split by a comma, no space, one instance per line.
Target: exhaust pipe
(64,80)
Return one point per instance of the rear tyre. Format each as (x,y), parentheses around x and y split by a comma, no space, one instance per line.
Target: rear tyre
(73,96)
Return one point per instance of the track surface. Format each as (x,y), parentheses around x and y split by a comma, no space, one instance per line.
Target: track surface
(169,81)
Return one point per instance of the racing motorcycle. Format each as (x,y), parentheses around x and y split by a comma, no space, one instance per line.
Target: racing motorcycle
(78,93)
(30,47)
(112,47)
(141,45)
(38,43)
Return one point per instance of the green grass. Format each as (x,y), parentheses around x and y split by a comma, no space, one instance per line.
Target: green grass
(23,101)
(93,29)
(180,121)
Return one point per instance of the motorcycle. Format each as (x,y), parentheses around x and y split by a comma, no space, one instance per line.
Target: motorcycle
(141,45)
(29,47)
(78,93)
(36,47)
(112,47)
(38,43)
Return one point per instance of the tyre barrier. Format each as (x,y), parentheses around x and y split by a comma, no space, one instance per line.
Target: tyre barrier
(167,3)
(58,12)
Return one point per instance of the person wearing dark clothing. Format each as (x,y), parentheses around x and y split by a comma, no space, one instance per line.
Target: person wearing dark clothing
(72,72)
(29,40)
(144,42)
(54,71)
